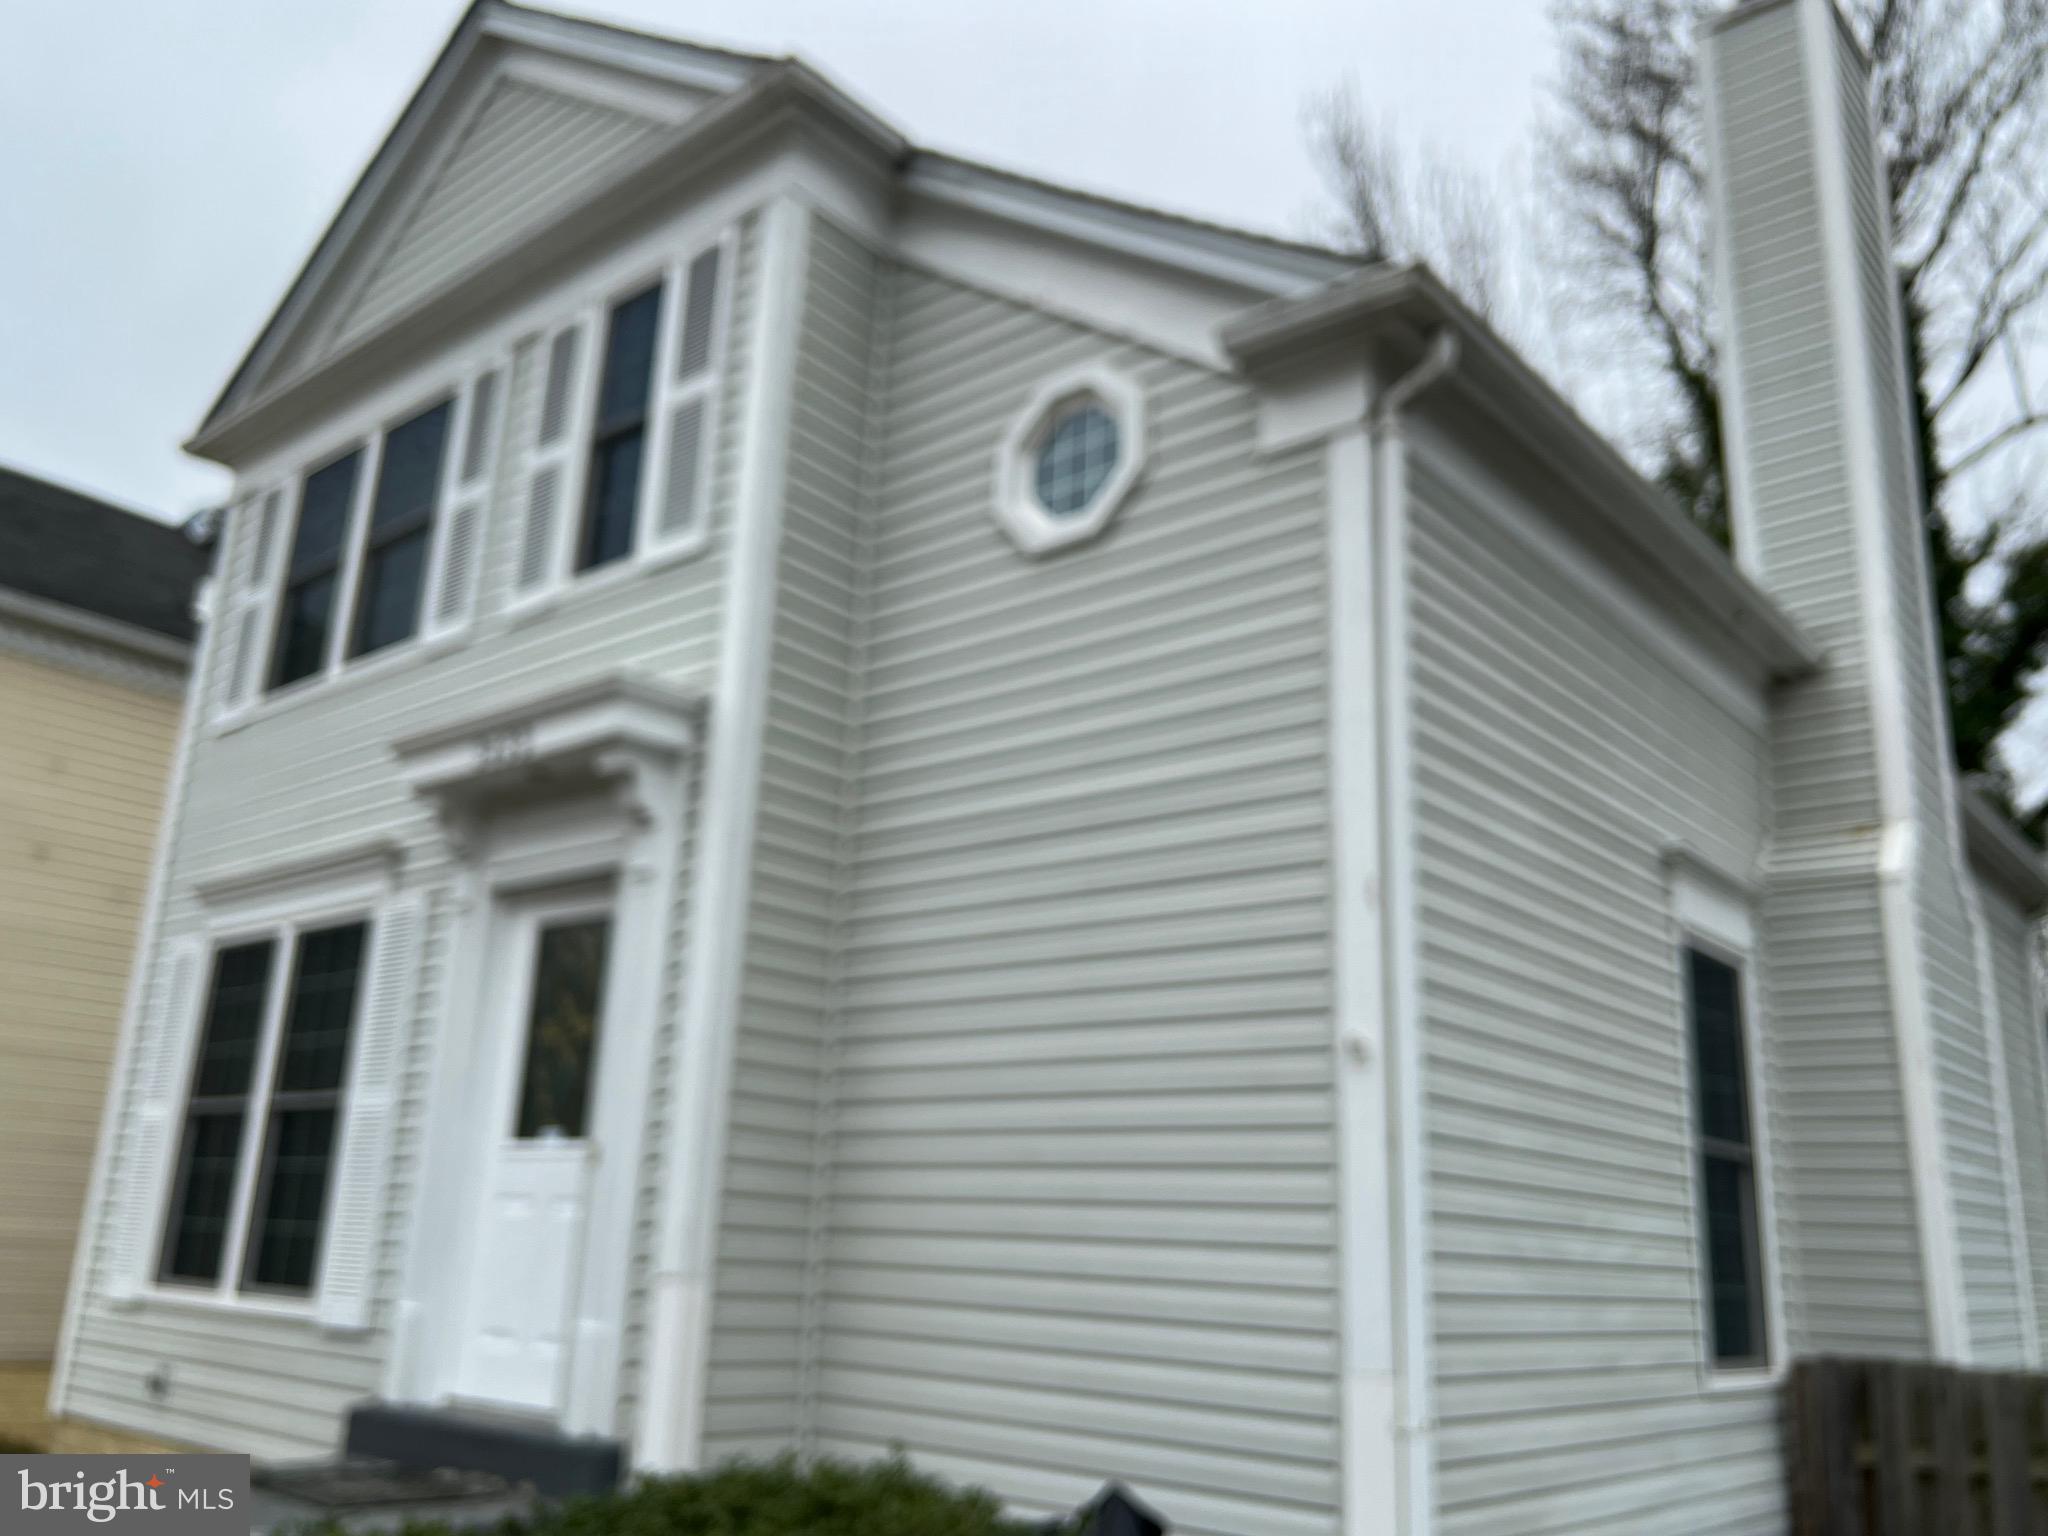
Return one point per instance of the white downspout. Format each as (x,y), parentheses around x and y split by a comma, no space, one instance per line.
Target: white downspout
(1415,1424)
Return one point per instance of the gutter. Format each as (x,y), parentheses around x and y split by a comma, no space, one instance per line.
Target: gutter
(81,625)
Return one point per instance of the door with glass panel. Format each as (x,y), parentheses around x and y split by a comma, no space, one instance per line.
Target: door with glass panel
(539,1043)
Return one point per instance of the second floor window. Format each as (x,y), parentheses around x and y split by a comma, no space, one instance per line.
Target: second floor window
(312,588)
(401,529)
(619,434)
(365,582)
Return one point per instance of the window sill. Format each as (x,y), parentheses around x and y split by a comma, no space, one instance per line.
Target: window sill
(1740,1379)
(396,660)
(575,589)
(286,1309)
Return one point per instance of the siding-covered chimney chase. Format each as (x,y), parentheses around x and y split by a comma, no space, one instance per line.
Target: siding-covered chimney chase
(1874,965)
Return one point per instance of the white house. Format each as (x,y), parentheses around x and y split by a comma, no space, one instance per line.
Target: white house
(837,799)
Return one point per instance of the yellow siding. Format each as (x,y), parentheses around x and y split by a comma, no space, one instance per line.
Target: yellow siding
(82,765)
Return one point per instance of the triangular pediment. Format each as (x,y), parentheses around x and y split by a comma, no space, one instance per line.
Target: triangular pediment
(523,113)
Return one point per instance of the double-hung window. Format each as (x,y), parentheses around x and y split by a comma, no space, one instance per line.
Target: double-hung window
(618,452)
(250,1188)
(619,434)
(1724,1125)
(393,585)
(356,579)
(313,575)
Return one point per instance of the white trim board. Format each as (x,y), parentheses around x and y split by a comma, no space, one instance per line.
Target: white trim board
(679,1291)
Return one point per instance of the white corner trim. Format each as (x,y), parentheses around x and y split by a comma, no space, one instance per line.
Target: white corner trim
(1029,523)
(141,964)
(679,1302)
(1368,1409)
(1412,1277)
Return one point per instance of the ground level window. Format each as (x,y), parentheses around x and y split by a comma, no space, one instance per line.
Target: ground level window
(250,1194)
(1726,1147)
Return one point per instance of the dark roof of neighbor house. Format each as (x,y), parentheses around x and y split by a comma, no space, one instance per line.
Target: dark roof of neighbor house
(62,546)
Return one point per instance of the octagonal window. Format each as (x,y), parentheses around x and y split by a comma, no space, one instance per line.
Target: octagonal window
(1070,459)
(1076,459)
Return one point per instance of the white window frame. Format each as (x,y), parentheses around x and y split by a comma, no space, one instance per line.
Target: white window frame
(458,388)
(1712,912)
(282,925)
(1023,518)
(591,318)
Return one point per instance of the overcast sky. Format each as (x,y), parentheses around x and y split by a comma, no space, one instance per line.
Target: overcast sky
(165,165)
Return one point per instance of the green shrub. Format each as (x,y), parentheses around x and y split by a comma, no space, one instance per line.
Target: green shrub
(778,1498)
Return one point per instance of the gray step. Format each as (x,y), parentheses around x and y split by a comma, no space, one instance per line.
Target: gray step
(555,1464)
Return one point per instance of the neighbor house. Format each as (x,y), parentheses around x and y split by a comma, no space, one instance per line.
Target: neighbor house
(96,636)
(841,800)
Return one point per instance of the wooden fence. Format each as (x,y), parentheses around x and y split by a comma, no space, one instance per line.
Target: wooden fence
(1900,1448)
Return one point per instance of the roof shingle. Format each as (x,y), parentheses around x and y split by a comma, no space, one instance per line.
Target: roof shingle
(65,547)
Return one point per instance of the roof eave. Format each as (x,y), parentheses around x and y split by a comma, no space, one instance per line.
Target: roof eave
(1259,264)
(1396,298)
(81,624)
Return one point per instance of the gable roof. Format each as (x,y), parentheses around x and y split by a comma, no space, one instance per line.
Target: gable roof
(62,547)
(747,90)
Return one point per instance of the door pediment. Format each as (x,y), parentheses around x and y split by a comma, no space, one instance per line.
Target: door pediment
(621,735)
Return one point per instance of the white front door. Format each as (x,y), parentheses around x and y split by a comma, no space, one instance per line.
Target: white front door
(536,1077)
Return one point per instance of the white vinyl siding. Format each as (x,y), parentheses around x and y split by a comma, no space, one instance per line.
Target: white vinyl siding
(1556,760)
(1080,1219)
(320,774)
(2014,945)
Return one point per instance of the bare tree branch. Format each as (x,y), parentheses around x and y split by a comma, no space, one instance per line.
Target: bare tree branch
(1397,203)
(2018,427)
